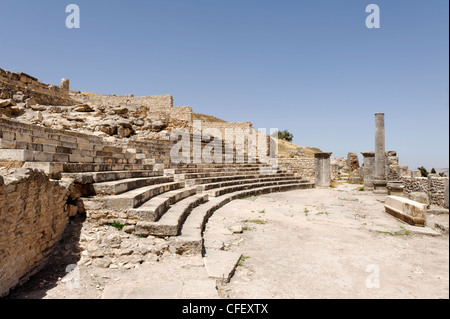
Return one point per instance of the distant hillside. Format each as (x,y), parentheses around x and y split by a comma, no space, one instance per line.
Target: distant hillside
(206,118)
(286,148)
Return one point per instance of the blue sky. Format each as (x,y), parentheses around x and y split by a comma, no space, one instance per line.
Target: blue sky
(311,67)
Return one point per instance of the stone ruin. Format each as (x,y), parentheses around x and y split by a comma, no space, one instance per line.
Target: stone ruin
(65,153)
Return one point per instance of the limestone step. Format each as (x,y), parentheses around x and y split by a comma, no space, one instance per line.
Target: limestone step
(123,185)
(249,185)
(229,168)
(52,143)
(170,223)
(152,209)
(99,177)
(247,181)
(26,155)
(99,167)
(130,199)
(209,180)
(213,174)
(193,227)
(213,165)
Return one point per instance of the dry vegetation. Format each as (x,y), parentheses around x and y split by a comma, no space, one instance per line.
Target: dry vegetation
(285,148)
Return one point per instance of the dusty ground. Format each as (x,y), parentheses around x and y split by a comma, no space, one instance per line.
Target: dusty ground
(319,243)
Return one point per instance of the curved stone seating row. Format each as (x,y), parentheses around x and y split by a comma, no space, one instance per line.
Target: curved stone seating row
(179,211)
(152,209)
(193,227)
(130,199)
(109,175)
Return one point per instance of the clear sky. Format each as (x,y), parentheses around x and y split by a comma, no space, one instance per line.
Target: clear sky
(309,66)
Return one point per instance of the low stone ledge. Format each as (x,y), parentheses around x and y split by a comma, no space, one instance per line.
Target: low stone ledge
(412,212)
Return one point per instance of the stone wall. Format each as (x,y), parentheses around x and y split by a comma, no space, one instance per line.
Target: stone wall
(180,117)
(33,216)
(304,167)
(21,86)
(433,186)
(149,103)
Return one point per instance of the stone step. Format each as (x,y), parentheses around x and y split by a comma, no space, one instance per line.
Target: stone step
(213,174)
(130,199)
(26,155)
(21,133)
(55,146)
(98,167)
(209,180)
(31,140)
(229,168)
(152,209)
(99,177)
(170,223)
(249,181)
(121,186)
(214,165)
(193,227)
(250,184)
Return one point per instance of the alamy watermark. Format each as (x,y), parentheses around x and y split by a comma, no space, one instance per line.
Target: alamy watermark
(73,19)
(224,145)
(72,279)
(373,19)
(373,280)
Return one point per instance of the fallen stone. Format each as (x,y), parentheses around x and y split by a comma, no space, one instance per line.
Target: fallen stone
(405,209)
(101,262)
(8,102)
(83,108)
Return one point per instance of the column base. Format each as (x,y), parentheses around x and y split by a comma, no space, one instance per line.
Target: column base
(380,187)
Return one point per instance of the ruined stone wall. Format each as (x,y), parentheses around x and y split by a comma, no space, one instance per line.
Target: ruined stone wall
(305,167)
(33,216)
(155,103)
(180,117)
(433,186)
(21,86)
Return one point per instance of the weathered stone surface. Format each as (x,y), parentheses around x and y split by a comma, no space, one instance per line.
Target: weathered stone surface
(221,264)
(83,108)
(322,169)
(419,197)
(8,102)
(412,212)
(380,182)
(34,216)
(352,161)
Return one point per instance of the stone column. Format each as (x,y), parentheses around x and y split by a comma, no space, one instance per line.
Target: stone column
(379,183)
(368,169)
(322,169)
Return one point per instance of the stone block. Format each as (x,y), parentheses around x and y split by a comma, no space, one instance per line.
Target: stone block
(416,173)
(420,197)
(43,157)
(412,212)
(50,168)
(4,143)
(16,155)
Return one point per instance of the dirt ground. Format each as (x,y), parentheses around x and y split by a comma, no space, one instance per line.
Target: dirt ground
(317,243)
